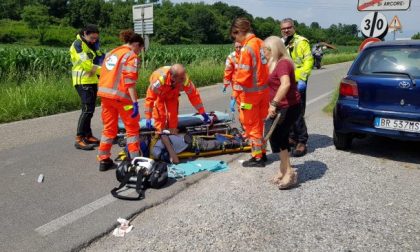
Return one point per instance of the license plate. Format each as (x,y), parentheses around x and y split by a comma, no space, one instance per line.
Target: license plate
(396,124)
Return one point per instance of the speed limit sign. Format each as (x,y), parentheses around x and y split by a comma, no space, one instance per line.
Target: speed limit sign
(374,25)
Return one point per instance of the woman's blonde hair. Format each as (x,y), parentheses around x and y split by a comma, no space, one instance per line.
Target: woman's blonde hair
(278,51)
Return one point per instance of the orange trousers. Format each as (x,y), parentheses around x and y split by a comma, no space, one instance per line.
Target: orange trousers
(253,118)
(165,113)
(111,109)
(236,95)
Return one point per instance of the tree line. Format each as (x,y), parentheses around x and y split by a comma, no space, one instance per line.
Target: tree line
(184,23)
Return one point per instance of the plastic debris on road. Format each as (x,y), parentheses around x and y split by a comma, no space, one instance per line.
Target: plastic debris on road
(241,161)
(41,178)
(123,229)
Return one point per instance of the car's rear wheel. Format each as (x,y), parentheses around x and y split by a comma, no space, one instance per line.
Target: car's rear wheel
(342,141)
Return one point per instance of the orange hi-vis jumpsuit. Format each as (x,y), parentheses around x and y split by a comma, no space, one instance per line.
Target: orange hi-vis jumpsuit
(251,79)
(230,67)
(162,99)
(118,73)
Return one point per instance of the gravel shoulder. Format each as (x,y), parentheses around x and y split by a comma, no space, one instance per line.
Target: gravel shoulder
(364,200)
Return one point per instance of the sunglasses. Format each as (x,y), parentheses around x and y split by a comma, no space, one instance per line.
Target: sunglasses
(238,47)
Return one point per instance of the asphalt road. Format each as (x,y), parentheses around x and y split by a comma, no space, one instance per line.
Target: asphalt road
(73,206)
(364,200)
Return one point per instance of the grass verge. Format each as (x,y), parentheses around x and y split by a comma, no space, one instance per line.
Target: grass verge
(330,107)
(40,95)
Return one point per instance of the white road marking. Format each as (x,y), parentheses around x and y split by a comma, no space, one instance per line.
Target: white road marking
(74,215)
(319,98)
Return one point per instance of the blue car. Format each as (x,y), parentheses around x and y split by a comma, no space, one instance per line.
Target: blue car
(380,94)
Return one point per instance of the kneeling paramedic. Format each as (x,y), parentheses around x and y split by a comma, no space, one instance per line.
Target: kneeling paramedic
(162,97)
(117,88)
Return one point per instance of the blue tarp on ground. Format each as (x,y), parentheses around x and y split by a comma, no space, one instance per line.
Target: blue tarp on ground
(189,168)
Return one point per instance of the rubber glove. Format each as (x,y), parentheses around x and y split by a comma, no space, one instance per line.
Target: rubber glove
(206,118)
(135,110)
(149,124)
(301,85)
(232,104)
(224,89)
(96,45)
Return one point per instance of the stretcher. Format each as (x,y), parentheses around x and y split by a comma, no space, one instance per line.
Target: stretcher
(192,125)
(187,123)
(192,151)
(190,154)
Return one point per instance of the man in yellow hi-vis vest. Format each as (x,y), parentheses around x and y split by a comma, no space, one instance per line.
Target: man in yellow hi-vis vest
(300,51)
(86,60)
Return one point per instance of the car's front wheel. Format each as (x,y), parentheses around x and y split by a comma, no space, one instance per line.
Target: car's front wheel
(342,141)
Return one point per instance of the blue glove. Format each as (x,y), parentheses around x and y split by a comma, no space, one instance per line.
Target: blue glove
(135,110)
(206,118)
(301,85)
(232,104)
(96,45)
(224,89)
(148,123)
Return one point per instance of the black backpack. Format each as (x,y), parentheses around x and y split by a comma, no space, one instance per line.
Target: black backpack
(141,179)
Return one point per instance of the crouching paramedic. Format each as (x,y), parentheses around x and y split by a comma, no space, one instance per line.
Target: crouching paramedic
(117,89)
(162,102)
(251,77)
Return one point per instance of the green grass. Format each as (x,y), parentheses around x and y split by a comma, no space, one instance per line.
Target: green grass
(330,107)
(40,95)
(338,58)
(36,96)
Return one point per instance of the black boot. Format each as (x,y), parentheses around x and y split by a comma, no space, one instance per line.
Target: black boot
(264,157)
(254,162)
(106,164)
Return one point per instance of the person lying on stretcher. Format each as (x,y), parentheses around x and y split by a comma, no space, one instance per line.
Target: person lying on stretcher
(192,144)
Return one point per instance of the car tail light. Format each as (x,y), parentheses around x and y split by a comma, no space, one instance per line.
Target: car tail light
(348,88)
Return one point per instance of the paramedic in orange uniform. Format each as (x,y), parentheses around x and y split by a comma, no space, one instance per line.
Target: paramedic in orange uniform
(117,89)
(162,102)
(230,67)
(251,80)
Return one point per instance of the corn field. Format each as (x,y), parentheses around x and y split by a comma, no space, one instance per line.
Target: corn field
(17,62)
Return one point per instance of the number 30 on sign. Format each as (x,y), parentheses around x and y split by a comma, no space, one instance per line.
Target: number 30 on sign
(374,25)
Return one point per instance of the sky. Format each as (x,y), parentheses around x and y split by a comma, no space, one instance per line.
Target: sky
(325,12)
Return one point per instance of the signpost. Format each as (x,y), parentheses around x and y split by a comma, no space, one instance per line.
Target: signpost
(383,5)
(374,25)
(395,25)
(143,23)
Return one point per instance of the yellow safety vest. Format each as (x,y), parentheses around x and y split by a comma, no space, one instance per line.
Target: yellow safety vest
(82,60)
(300,52)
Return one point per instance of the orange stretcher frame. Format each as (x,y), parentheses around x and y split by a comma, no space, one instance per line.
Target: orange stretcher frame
(189,154)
